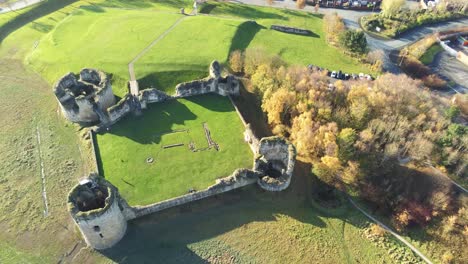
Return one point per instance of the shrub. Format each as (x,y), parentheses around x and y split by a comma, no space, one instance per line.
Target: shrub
(236,61)
(434,81)
(334,26)
(354,41)
(300,4)
(415,68)
(377,230)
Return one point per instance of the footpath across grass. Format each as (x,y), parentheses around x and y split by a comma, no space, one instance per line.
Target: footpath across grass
(124,150)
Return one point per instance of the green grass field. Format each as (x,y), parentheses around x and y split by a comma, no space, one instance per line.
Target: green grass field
(250,226)
(124,150)
(109,34)
(40,43)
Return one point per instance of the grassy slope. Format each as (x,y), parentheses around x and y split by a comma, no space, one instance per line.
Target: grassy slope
(429,55)
(294,49)
(108,40)
(124,150)
(26,109)
(186,51)
(249,226)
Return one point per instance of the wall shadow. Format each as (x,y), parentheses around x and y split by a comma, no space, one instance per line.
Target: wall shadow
(245,33)
(213,102)
(169,236)
(148,128)
(36,12)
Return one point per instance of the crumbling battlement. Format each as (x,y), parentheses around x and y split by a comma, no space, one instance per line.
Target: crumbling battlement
(152,95)
(95,206)
(214,83)
(84,99)
(275,159)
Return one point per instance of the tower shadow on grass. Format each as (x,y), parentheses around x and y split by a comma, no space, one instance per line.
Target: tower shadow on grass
(245,33)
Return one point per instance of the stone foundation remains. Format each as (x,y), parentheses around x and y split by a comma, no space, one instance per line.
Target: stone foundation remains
(86,99)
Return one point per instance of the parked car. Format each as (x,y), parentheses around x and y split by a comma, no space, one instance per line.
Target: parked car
(368,77)
(361,75)
(333,74)
(339,75)
(346,76)
(354,76)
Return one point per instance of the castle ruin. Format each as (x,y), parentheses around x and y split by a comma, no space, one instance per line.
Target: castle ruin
(95,204)
(85,99)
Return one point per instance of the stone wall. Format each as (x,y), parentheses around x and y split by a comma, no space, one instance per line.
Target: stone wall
(291,30)
(119,110)
(214,83)
(240,178)
(152,95)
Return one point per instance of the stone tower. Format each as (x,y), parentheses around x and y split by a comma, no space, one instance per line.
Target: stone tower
(85,99)
(94,205)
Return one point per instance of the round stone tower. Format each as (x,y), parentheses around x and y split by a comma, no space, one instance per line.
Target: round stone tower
(94,206)
(85,99)
(275,160)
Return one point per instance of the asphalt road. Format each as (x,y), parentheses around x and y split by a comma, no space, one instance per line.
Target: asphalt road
(452,69)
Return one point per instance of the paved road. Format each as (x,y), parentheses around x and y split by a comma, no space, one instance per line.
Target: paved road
(17,5)
(388,229)
(452,69)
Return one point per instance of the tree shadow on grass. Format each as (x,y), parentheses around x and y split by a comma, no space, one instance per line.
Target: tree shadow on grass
(36,12)
(245,33)
(170,236)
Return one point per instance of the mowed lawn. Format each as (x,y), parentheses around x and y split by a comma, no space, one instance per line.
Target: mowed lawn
(103,38)
(124,149)
(186,51)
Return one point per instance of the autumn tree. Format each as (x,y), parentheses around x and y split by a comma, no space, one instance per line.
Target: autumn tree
(236,61)
(278,105)
(334,27)
(391,7)
(346,139)
(300,4)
